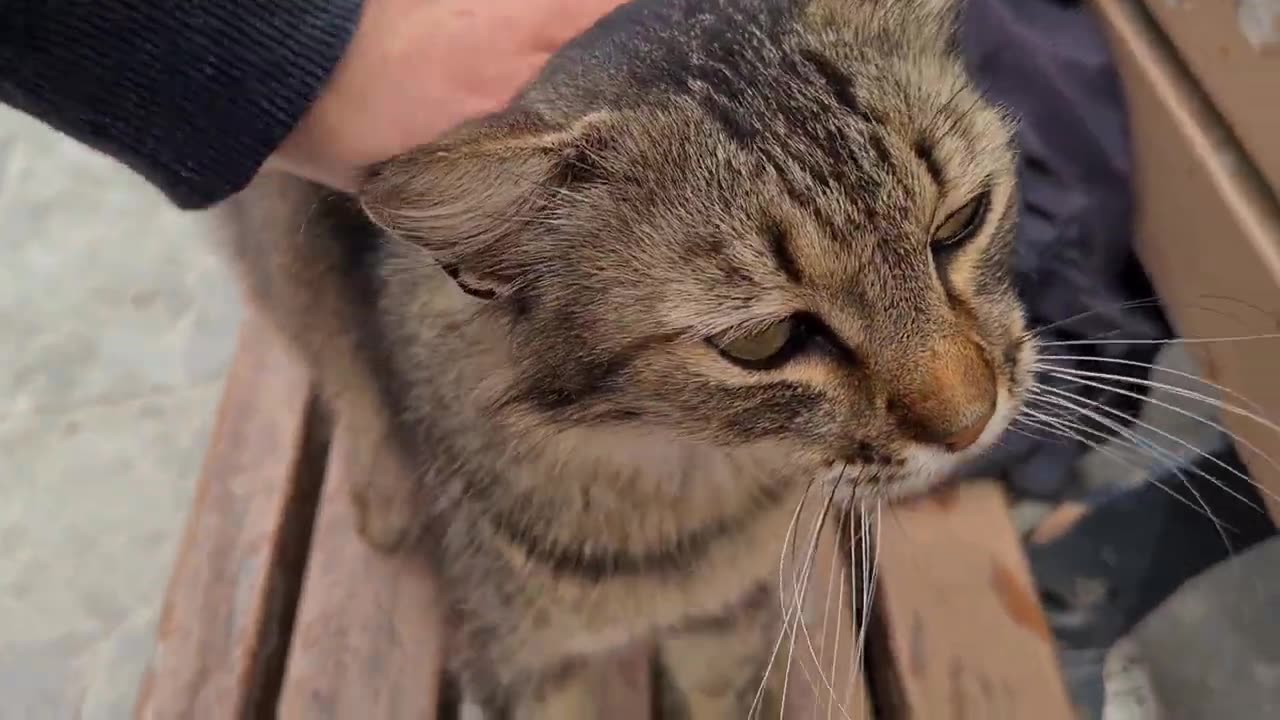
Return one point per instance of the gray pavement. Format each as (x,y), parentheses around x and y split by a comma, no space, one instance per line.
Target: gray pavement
(116,326)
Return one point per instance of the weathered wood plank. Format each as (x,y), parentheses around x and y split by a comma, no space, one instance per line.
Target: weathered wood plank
(368,641)
(959,630)
(226,618)
(1208,230)
(1235,56)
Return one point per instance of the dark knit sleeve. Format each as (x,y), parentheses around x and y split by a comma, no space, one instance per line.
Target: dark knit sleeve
(193,95)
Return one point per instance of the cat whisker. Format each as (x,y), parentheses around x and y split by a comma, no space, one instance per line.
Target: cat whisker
(800,589)
(859,578)
(1140,303)
(1170,461)
(788,542)
(835,651)
(1216,482)
(1128,305)
(854,589)
(1034,436)
(1022,422)
(1239,301)
(1171,464)
(1081,377)
(1213,402)
(1057,411)
(790,628)
(832,581)
(1167,341)
(782,562)
(1153,368)
(310,215)
(875,574)
(871,568)
(1068,398)
(1203,509)
(1055,433)
(1067,386)
(1061,418)
(1072,429)
(1034,333)
(800,592)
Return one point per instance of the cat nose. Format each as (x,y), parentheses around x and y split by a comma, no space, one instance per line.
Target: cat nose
(946,396)
(964,439)
(934,430)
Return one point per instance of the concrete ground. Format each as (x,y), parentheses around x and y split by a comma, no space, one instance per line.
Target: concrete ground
(116,326)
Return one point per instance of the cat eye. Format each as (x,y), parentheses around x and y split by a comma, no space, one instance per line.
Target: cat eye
(961,224)
(761,348)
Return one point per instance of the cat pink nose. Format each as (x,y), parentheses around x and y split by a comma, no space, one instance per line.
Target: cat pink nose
(947,395)
(965,439)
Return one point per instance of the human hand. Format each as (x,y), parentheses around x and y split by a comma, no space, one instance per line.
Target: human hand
(416,68)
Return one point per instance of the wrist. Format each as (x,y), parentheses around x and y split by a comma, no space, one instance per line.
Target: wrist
(324,144)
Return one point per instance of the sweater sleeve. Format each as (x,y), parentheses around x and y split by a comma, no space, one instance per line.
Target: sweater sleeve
(193,95)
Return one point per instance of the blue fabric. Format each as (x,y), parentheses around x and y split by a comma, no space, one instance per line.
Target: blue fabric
(193,96)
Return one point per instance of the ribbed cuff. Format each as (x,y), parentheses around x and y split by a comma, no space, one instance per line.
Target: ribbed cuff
(194,95)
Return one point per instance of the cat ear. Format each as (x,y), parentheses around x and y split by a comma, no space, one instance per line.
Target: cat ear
(470,198)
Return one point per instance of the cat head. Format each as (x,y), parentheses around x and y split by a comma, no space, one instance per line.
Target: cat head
(780,223)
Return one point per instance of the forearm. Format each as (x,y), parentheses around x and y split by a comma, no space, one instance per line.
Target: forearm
(194,95)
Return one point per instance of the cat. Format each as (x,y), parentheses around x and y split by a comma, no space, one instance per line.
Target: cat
(721,255)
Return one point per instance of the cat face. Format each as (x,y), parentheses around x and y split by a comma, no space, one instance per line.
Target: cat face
(781,224)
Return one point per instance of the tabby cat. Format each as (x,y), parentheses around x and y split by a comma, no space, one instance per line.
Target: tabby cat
(720,254)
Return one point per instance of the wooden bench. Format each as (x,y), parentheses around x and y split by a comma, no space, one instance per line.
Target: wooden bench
(276,608)
(1205,108)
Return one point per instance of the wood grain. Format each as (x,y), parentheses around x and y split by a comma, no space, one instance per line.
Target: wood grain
(959,630)
(1240,76)
(1208,230)
(229,604)
(368,641)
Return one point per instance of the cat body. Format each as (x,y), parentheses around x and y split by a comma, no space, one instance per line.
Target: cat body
(722,256)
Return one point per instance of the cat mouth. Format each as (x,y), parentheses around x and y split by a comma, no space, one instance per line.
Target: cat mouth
(929,467)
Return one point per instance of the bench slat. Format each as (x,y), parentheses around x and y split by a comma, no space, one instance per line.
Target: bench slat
(228,607)
(1208,229)
(957,621)
(1213,38)
(367,643)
